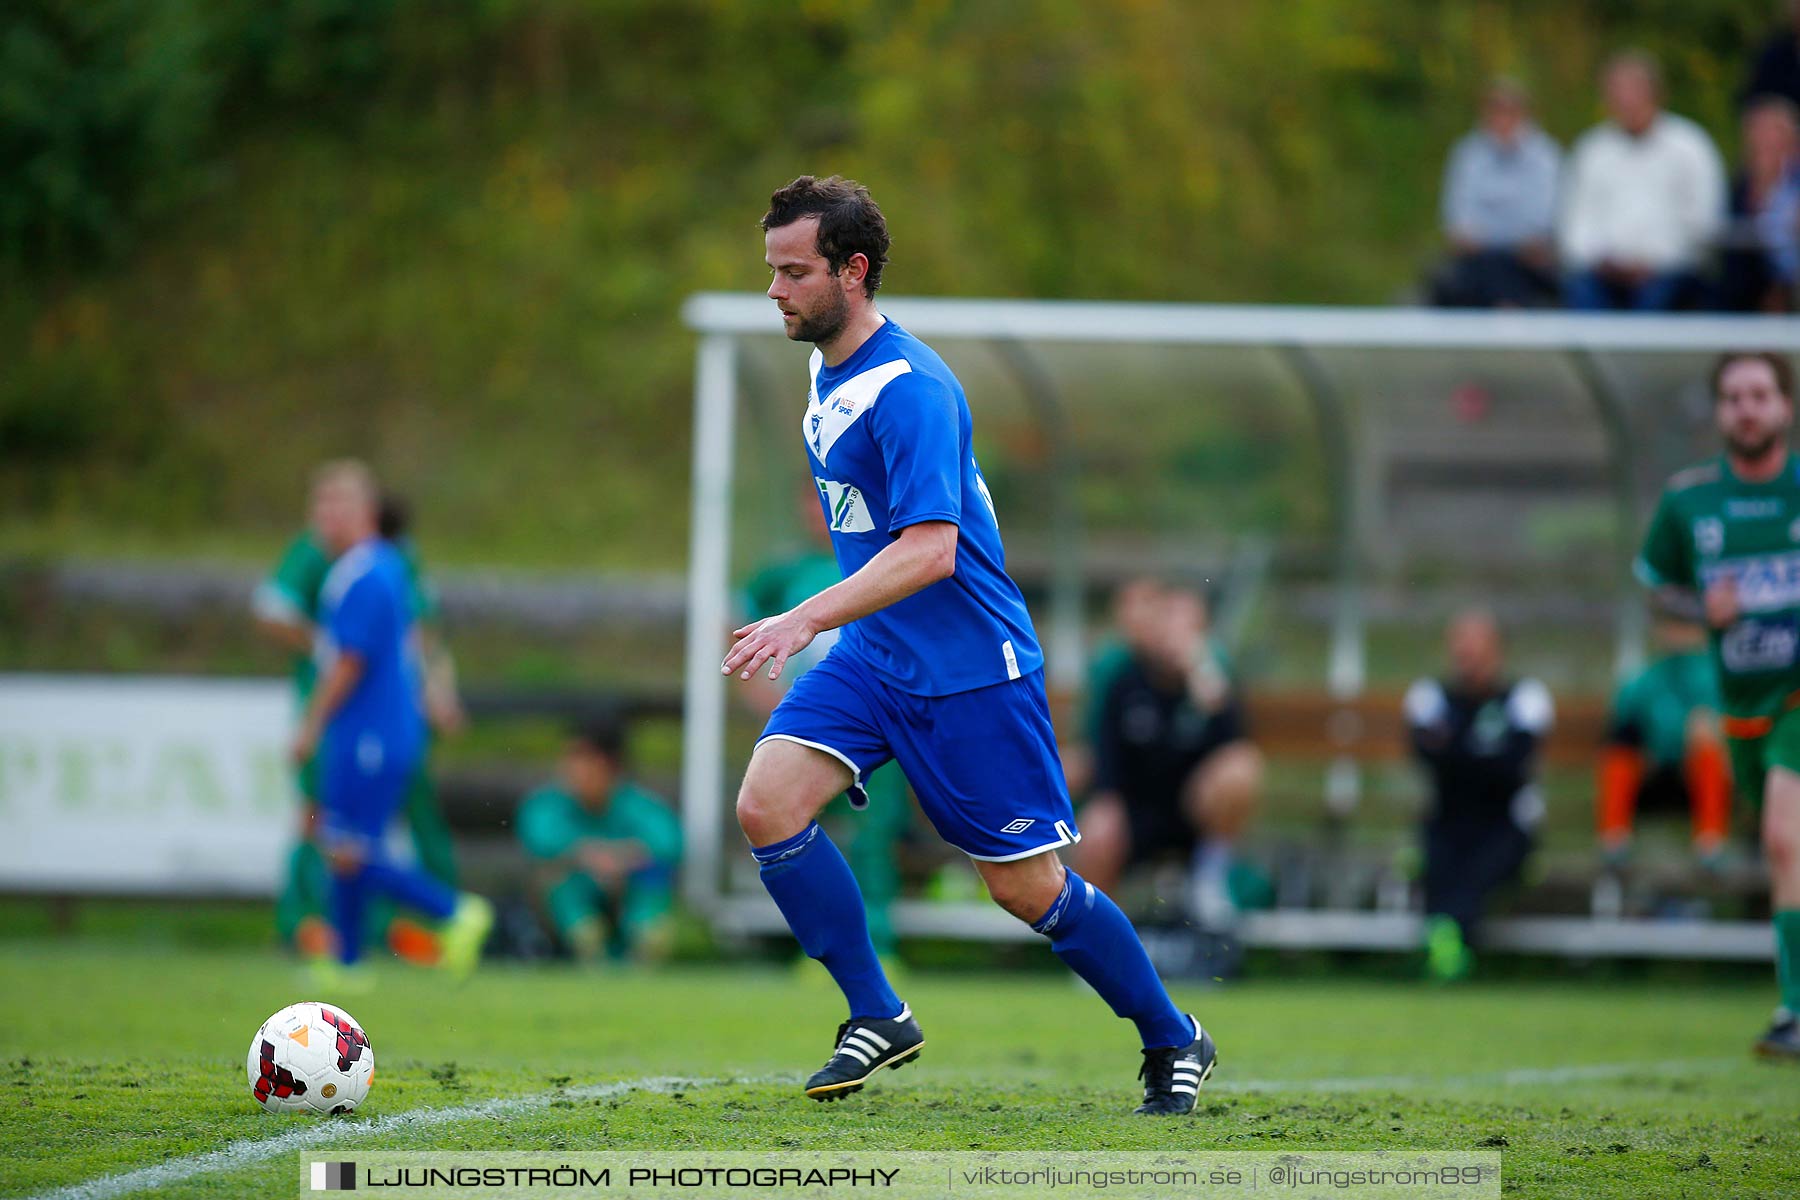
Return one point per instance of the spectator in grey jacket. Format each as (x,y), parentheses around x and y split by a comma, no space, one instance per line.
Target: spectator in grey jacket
(1499,209)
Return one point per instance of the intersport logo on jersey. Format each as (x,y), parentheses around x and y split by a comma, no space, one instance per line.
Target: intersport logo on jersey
(1765,582)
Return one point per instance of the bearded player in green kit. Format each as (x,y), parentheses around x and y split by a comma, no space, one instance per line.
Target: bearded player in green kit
(1725,545)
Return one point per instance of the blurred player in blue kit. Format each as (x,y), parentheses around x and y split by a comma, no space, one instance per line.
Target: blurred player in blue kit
(937,668)
(286,604)
(366,722)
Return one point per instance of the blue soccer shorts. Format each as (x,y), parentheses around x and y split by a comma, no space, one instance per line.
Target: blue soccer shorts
(983,763)
(362,787)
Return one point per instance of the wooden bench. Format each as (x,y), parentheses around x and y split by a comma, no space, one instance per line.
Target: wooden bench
(1315,726)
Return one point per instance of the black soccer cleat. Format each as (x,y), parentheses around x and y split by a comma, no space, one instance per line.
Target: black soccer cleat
(863,1047)
(1782,1041)
(1174,1075)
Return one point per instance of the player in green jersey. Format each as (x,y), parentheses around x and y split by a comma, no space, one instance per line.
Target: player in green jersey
(286,606)
(1724,545)
(605,850)
(1663,747)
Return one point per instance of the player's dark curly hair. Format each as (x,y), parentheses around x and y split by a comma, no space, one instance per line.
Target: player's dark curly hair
(849,221)
(1778,363)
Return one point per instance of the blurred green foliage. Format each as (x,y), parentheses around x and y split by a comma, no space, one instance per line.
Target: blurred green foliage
(453,236)
(113,112)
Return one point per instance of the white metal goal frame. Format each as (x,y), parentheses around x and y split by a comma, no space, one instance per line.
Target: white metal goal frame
(1297,337)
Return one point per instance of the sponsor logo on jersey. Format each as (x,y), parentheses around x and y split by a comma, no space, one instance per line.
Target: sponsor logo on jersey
(1751,509)
(1489,729)
(1709,536)
(1753,645)
(845,509)
(1765,582)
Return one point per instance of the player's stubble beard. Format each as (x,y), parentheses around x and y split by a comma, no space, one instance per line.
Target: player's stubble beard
(825,324)
(1753,447)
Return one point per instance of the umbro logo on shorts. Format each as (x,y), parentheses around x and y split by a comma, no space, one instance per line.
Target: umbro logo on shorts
(1018,826)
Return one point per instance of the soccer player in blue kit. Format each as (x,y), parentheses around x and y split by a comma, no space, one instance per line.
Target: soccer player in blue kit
(366,720)
(937,667)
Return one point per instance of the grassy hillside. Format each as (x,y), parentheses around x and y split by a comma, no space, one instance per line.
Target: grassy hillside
(455,238)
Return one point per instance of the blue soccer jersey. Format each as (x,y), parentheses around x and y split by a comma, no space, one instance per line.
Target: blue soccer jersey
(888,438)
(365,608)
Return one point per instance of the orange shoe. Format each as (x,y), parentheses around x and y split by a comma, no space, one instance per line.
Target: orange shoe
(315,938)
(414,943)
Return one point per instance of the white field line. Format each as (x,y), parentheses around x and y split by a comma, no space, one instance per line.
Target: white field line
(249,1152)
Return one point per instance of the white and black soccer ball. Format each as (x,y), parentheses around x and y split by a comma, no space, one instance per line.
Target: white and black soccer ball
(310,1057)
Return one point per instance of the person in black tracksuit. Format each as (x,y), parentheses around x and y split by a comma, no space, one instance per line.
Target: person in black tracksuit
(1175,774)
(1477,734)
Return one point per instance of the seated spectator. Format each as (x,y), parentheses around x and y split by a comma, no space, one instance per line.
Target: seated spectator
(1137,617)
(1499,209)
(1762,241)
(1776,71)
(1663,746)
(1174,773)
(1643,201)
(606,852)
(1137,606)
(1477,735)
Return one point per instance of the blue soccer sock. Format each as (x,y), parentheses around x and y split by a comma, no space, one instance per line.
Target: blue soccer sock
(814,889)
(1088,932)
(352,890)
(349,901)
(414,887)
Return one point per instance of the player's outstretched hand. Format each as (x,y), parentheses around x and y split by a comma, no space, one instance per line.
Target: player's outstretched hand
(773,640)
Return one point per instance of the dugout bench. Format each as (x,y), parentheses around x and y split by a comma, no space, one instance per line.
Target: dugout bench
(1291,726)
(1367,731)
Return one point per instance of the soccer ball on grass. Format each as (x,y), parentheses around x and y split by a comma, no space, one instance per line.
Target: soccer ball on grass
(310,1057)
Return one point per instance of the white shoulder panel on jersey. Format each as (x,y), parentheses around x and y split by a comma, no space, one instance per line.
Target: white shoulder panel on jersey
(272,603)
(344,572)
(1425,704)
(829,418)
(1530,707)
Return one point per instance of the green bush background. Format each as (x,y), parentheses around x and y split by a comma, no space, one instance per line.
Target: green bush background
(453,236)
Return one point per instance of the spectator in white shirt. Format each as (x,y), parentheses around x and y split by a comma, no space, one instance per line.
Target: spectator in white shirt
(1644,200)
(1499,209)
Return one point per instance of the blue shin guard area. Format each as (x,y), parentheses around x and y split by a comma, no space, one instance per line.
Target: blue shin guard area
(814,889)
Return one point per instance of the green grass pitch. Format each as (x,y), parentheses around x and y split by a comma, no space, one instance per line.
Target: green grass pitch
(118,1060)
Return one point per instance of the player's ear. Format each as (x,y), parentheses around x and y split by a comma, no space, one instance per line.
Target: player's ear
(856,269)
